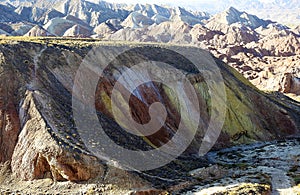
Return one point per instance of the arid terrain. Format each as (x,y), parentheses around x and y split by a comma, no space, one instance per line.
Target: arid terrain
(217,112)
(44,153)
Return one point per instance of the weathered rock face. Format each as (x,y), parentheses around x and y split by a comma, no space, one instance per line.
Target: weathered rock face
(58,26)
(104,29)
(37,134)
(47,142)
(38,156)
(290,84)
(9,122)
(77,31)
(38,31)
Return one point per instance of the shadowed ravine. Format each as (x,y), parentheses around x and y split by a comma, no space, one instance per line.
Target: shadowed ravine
(40,139)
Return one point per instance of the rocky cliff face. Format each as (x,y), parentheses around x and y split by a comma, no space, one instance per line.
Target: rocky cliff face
(41,140)
(10,123)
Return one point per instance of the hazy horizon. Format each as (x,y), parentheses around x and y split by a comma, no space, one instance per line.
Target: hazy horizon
(283,11)
(211,6)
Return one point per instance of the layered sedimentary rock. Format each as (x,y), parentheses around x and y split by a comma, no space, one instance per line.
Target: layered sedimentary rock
(41,139)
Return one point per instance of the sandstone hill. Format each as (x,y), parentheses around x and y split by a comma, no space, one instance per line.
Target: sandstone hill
(39,138)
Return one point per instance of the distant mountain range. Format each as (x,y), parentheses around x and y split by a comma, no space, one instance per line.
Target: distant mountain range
(109,20)
(286,12)
(283,11)
(85,18)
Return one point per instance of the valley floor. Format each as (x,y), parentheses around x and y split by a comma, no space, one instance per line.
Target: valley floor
(262,168)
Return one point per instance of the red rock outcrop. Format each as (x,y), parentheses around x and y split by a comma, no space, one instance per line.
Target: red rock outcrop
(9,119)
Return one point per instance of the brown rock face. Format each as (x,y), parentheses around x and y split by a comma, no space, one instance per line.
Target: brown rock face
(290,84)
(37,135)
(9,119)
(38,156)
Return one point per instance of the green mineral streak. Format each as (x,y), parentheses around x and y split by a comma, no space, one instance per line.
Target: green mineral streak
(238,118)
(106,101)
(203,93)
(176,103)
(173,97)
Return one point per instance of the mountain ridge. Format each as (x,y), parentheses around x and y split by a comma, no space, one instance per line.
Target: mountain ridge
(234,36)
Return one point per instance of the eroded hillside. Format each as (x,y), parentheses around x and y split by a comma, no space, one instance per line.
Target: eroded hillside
(40,139)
